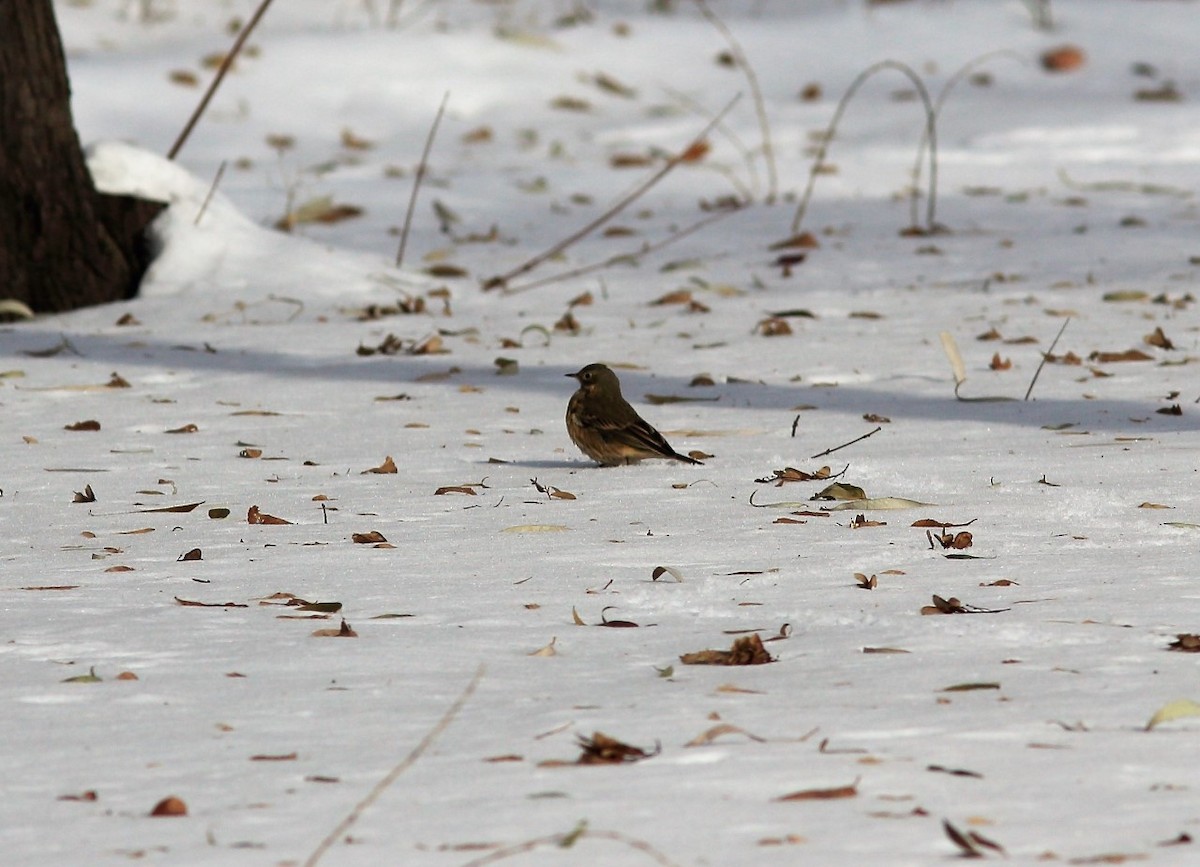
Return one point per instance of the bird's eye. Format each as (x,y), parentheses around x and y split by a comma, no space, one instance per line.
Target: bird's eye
(587,377)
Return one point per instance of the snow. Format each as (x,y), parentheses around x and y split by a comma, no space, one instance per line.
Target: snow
(251,335)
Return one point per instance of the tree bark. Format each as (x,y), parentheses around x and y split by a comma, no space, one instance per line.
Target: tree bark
(62,244)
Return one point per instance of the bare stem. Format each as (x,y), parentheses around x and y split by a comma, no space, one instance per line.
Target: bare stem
(422,167)
(760,109)
(409,761)
(645,250)
(930,136)
(226,63)
(843,445)
(1046,357)
(212,189)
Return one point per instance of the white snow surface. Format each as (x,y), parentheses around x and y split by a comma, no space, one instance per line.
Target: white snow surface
(1063,196)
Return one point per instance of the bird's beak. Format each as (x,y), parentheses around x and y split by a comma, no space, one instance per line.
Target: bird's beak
(574,375)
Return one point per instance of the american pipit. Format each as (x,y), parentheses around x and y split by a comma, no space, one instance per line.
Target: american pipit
(606,428)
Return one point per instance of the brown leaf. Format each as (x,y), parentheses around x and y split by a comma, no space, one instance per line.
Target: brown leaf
(1112,357)
(999,363)
(773,326)
(1063,58)
(1185,642)
(707,737)
(455,489)
(181,509)
(371,538)
(254,516)
(84,496)
(193,554)
(170,806)
(115,380)
(600,749)
(387,467)
(747,650)
(89,425)
(850,791)
(285,757)
(678,296)
(1157,338)
(344,631)
(191,603)
(186,429)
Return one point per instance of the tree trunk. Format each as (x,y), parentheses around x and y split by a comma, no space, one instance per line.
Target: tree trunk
(62,244)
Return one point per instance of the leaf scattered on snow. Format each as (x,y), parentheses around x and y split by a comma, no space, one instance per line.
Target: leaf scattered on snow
(170,806)
(387,467)
(1186,642)
(84,496)
(660,571)
(707,737)
(88,425)
(372,538)
(1179,709)
(747,650)
(191,603)
(850,791)
(548,650)
(600,749)
(344,631)
(254,516)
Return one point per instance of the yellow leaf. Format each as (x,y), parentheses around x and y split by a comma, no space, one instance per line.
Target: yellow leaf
(1178,709)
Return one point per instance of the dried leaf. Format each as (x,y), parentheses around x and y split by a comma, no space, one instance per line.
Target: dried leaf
(600,749)
(181,509)
(89,425)
(344,631)
(170,806)
(747,650)
(1186,642)
(254,516)
(87,495)
(387,467)
(194,554)
(185,429)
(660,571)
(371,538)
(1113,357)
(191,603)
(850,791)
(1174,710)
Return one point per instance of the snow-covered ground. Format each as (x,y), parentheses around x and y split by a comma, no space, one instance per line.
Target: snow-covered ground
(244,378)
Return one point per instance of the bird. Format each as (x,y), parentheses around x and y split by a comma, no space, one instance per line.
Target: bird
(606,428)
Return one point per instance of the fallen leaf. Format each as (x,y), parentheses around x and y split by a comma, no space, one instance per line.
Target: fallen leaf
(170,806)
(850,791)
(747,650)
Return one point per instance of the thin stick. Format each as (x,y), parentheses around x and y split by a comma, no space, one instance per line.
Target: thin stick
(930,127)
(569,839)
(628,199)
(226,63)
(732,137)
(646,250)
(843,445)
(409,761)
(1046,357)
(422,167)
(212,189)
(739,57)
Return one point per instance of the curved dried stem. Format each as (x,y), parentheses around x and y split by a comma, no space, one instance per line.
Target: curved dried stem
(760,109)
(501,281)
(226,63)
(944,94)
(930,136)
